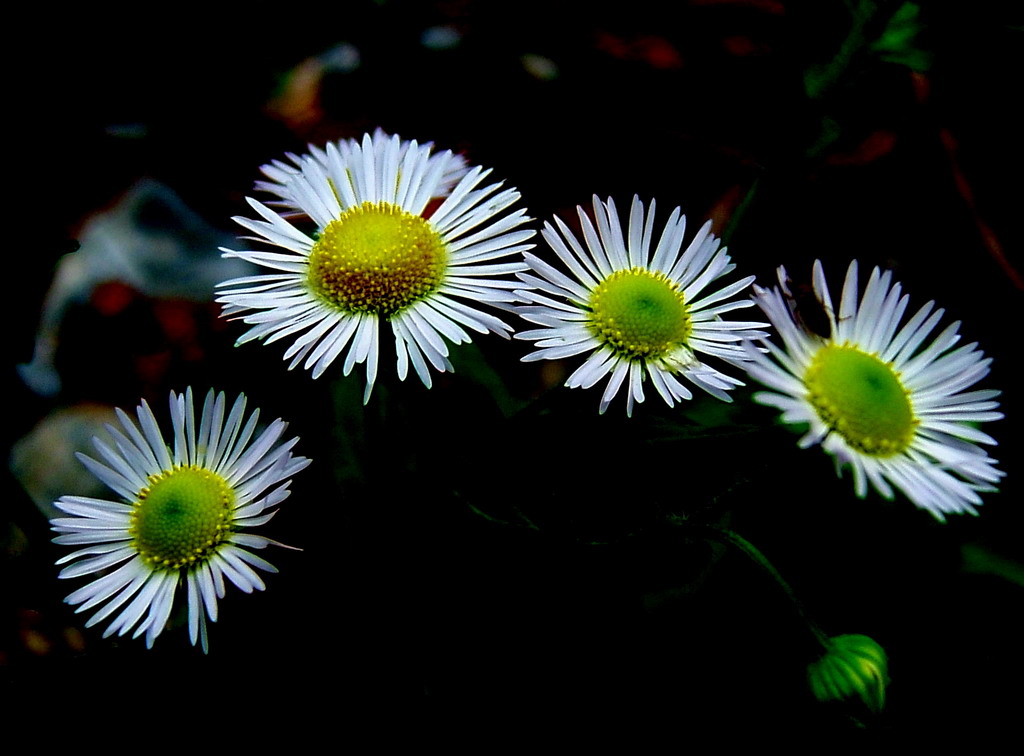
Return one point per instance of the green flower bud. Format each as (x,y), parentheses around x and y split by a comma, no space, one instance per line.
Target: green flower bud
(854,665)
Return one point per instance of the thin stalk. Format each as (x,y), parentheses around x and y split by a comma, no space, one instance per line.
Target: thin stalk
(724,535)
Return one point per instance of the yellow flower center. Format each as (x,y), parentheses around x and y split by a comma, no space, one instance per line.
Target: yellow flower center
(181,517)
(376,258)
(862,399)
(639,314)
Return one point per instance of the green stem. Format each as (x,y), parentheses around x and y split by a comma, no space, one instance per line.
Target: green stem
(869,19)
(724,535)
(526,521)
(740,211)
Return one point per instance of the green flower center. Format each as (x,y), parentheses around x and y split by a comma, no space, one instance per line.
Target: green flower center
(182,516)
(861,398)
(639,314)
(376,258)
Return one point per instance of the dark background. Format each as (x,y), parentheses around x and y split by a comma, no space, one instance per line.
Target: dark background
(585,602)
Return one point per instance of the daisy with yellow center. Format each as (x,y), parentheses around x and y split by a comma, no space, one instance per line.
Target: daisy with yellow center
(404,237)
(875,396)
(182,519)
(637,315)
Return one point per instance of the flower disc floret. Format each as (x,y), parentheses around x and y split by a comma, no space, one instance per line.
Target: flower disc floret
(181,517)
(378,259)
(861,398)
(639,314)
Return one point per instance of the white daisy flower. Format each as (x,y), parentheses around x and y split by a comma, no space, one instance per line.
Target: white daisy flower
(874,395)
(636,315)
(182,519)
(403,236)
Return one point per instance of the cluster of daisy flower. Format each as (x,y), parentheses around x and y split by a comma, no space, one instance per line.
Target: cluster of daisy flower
(418,243)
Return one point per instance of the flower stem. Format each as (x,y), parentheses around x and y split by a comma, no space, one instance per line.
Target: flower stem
(726,536)
(868,19)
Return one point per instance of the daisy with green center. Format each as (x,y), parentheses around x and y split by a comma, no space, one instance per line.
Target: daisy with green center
(404,237)
(637,315)
(875,396)
(183,517)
